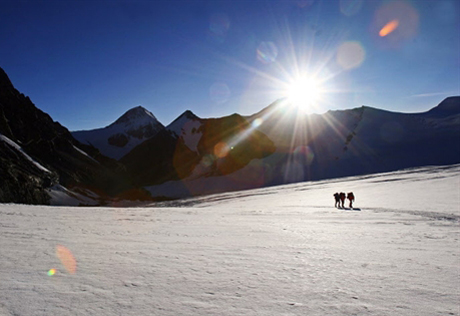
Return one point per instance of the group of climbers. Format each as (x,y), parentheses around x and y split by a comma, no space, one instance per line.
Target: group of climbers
(340,199)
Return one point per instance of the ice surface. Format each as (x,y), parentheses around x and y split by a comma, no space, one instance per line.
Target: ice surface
(274,251)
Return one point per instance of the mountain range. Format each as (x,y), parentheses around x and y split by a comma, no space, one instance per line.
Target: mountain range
(137,157)
(335,144)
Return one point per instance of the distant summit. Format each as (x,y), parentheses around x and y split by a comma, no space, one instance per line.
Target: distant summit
(135,115)
(449,106)
(184,124)
(120,137)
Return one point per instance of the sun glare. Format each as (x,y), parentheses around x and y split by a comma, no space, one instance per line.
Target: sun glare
(304,93)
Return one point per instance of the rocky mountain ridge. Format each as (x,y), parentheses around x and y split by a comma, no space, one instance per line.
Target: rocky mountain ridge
(37,153)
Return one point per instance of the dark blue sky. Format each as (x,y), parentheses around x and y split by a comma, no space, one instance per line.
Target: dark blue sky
(87,62)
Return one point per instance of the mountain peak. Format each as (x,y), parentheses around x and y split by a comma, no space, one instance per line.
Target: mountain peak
(189,115)
(181,119)
(129,130)
(188,118)
(449,106)
(135,114)
(4,80)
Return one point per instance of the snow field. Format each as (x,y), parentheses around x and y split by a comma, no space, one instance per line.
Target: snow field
(275,251)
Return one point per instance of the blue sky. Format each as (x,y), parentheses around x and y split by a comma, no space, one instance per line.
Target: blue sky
(86,62)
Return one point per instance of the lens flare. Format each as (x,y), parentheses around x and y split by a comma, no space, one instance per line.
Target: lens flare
(257,122)
(395,23)
(51,272)
(207,160)
(221,149)
(267,52)
(304,155)
(350,55)
(389,27)
(67,259)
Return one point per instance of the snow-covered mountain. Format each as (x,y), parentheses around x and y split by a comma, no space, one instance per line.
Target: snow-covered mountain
(120,137)
(197,148)
(280,144)
(187,126)
(361,140)
(336,144)
(170,154)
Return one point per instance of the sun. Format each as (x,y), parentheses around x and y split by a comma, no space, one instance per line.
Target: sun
(304,93)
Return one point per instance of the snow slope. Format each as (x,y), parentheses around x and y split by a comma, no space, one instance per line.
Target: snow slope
(358,141)
(274,251)
(186,126)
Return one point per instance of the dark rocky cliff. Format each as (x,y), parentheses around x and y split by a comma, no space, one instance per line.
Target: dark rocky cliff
(51,145)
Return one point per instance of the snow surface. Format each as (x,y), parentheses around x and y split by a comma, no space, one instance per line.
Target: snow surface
(274,251)
(19,148)
(250,176)
(99,139)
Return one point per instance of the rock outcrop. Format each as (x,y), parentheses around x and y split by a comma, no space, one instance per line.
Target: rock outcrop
(26,129)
